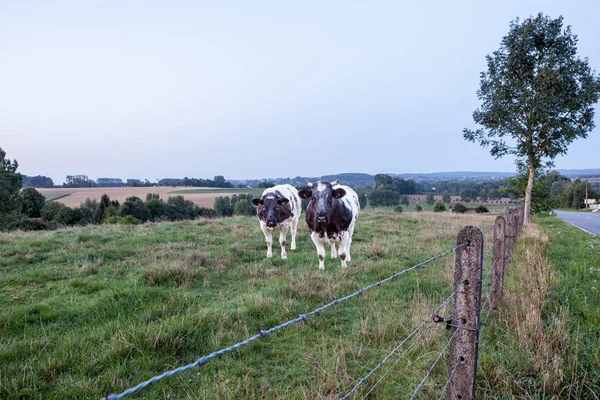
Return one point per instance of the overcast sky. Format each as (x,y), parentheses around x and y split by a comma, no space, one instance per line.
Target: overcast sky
(250,89)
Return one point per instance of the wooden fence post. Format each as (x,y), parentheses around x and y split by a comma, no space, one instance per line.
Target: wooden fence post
(498,261)
(512,222)
(521,218)
(465,314)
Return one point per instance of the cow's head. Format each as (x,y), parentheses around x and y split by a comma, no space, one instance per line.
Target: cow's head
(322,195)
(272,208)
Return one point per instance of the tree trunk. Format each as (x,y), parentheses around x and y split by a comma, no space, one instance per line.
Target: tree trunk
(527,210)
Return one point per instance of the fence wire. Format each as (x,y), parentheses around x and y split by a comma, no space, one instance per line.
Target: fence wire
(449,379)
(303,317)
(433,365)
(417,329)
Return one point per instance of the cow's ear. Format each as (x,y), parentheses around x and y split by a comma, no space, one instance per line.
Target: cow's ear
(283,201)
(339,193)
(305,194)
(257,202)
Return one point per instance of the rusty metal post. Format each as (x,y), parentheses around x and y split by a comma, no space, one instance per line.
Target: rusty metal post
(498,261)
(465,314)
(512,222)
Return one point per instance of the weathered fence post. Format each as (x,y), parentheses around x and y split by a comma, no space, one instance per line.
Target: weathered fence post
(512,223)
(498,261)
(521,218)
(465,314)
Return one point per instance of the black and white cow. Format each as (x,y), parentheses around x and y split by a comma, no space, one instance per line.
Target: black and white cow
(279,206)
(331,215)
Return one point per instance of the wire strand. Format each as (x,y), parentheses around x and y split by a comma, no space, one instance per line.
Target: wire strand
(449,379)
(417,329)
(433,365)
(387,371)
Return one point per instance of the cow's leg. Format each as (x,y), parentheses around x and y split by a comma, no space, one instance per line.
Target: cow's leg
(282,235)
(294,226)
(351,232)
(268,238)
(344,247)
(333,251)
(320,249)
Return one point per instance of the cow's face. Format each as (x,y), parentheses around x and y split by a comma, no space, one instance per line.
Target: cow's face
(322,195)
(272,208)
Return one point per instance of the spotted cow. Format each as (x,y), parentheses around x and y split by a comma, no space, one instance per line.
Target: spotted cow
(279,207)
(331,215)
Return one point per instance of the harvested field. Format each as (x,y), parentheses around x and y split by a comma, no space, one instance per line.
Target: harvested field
(75,196)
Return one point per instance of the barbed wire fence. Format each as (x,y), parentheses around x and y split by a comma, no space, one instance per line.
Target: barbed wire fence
(464,325)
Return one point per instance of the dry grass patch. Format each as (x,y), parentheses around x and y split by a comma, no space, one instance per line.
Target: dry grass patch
(534,344)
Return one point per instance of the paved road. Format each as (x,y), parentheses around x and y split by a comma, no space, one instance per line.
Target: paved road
(588,221)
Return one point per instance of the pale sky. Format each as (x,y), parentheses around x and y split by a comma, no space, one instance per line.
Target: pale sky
(251,89)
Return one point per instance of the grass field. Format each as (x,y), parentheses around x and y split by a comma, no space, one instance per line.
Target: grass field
(51,196)
(203,197)
(88,311)
(225,192)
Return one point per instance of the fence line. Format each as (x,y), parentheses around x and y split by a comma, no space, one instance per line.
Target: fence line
(303,317)
(428,319)
(467,258)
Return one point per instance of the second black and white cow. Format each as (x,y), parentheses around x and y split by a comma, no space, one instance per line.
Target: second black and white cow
(331,215)
(279,206)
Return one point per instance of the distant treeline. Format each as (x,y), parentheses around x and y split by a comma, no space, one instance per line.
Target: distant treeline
(82,181)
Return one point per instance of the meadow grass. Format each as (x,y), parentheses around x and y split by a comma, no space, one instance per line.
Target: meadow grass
(89,311)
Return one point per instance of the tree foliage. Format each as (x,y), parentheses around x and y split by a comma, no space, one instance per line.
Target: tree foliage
(439,207)
(32,202)
(537,96)
(446,198)
(10,184)
(383,198)
(430,199)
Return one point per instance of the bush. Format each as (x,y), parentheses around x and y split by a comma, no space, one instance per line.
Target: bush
(418,208)
(439,207)
(181,208)
(28,225)
(135,207)
(404,200)
(68,216)
(49,211)
(32,202)
(482,209)
(460,208)
(223,206)
(126,220)
(204,212)
(244,207)
(156,208)
(398,208)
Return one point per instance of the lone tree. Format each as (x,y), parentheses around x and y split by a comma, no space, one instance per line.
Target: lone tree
(537,97)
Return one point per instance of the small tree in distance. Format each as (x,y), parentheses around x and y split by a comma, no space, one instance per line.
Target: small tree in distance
(430,199)
(537,97)
(446,197)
